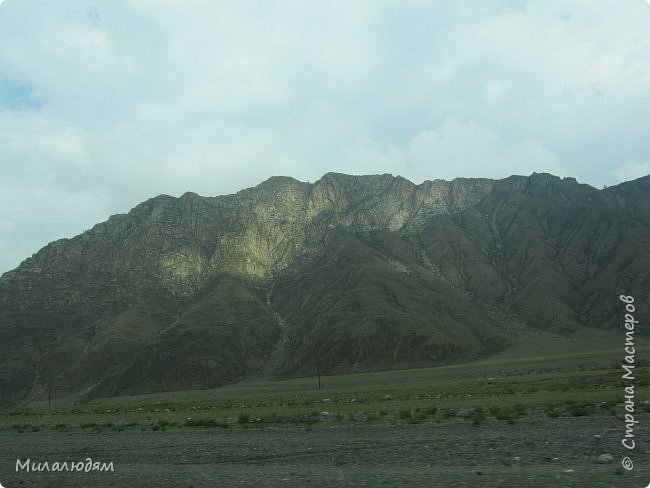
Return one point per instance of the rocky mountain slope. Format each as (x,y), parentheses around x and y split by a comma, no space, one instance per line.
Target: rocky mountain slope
(349,273)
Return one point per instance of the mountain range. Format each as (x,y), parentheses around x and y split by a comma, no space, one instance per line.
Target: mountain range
(350,273)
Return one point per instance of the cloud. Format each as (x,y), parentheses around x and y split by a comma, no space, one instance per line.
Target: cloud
(631,171)
(103,105)
(471,150)
(454,149)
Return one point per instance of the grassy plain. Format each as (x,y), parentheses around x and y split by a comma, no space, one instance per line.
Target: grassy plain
(544,375)
(537,415)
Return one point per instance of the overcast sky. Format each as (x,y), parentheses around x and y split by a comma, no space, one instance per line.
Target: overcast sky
(104,104)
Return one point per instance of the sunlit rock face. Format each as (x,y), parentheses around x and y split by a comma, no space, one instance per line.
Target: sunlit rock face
(370,271)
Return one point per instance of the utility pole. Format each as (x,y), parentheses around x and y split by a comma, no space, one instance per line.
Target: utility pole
(318,374)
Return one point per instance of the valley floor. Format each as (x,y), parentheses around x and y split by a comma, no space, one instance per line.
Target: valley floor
(543,452)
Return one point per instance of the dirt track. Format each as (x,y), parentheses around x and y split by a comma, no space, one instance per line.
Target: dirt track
(559,452)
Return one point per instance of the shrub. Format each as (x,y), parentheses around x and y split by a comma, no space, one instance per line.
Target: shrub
(519,409)
(552,412)
(477,415)
(494,410)
(449,413)
(580,410)
(505,415)
(420,416)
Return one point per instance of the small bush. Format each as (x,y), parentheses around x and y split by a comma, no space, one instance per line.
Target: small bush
(477,415)
(552,413)
(449,413)
(519,409)
(580,410)
(420,416)
(494,410)
(505,415)
(243,418)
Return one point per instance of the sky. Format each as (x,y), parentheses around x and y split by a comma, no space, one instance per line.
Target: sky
(106,104)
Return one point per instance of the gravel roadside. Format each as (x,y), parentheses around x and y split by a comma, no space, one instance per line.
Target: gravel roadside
(553,452)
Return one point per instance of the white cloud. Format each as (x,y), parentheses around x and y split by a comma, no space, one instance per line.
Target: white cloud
(470,150)
(133,98)
(630,171)
(368,157)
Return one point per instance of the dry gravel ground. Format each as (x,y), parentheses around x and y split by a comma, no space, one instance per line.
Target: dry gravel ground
(560,452)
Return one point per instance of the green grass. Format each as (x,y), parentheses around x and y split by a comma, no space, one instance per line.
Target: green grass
(504,388)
